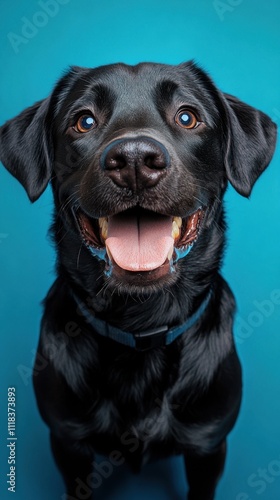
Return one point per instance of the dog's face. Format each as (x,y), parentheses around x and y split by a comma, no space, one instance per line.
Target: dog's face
(139,159)
(146,166)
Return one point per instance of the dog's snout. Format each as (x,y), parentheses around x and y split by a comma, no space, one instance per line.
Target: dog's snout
(135,163)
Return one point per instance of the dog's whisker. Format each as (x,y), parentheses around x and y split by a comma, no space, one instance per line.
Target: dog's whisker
(78,256)
(69,200)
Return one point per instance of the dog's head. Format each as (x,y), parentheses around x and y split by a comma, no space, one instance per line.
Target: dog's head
(139,159)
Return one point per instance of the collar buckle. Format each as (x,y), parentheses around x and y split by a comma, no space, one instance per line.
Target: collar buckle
(150,339)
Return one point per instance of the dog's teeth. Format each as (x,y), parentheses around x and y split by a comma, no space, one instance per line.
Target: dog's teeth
(175,229)
(103,224)
(178,221)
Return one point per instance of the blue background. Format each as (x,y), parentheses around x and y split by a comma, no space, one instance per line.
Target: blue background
(237,41)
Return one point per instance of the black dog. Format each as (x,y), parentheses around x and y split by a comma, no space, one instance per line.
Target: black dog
(136,358)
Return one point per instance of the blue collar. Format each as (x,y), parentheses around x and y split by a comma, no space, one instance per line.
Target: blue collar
(141,341)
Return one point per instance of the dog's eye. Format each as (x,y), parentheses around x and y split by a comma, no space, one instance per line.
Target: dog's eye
(186,119)
(85,123)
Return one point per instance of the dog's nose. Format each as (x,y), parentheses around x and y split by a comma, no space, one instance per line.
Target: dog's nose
(135,163)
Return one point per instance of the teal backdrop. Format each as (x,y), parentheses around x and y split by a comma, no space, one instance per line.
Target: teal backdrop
(237,41)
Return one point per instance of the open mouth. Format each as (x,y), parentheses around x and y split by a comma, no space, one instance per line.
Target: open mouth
(139,240)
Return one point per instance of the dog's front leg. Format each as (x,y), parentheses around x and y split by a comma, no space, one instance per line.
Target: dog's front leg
(76,469)
(203,473)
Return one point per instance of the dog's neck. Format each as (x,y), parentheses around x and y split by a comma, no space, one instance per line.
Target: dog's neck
(141,340)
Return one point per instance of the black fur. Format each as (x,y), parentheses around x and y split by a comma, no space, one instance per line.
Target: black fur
(97,395)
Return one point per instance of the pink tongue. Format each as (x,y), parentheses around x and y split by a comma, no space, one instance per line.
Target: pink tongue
(139,243)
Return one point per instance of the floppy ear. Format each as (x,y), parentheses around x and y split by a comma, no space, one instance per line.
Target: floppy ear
(24,149)
(250,144)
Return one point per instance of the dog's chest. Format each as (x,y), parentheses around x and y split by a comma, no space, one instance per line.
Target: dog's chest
(132,411)
(138,436)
